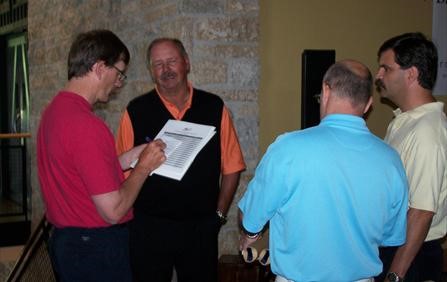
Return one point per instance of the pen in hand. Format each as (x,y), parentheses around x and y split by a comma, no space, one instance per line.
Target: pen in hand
(134,163)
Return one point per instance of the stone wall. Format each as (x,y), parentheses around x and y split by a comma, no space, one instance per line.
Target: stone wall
(221,37)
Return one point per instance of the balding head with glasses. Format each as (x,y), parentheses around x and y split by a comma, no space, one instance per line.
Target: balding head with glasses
(334,177)
(347,88)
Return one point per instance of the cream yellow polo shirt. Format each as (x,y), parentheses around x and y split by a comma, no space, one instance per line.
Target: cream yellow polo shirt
(420,137)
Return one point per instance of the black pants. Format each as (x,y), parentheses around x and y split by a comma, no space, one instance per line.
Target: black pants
(427,265)
(91,254)
(158,245)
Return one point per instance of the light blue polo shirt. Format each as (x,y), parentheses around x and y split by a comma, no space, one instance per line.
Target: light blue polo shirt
(333,194)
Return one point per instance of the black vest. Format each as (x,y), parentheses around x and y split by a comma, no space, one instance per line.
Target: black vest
(196,194)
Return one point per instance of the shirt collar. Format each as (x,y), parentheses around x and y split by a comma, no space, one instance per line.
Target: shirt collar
(421,110)
(172,108)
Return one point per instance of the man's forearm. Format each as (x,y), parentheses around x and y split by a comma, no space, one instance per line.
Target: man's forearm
(228,188)
(418,224)
(114,205)
(245,240)
(130,156)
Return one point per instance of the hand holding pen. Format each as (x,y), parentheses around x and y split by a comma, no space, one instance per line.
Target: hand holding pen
(139,149)
(152,156)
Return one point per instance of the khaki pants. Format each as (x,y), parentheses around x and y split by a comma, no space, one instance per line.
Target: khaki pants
(282,279)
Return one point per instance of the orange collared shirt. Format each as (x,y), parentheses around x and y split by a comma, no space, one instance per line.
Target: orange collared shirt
(232,159)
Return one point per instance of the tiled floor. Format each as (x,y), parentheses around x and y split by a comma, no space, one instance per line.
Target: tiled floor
(5,268)
(8,257)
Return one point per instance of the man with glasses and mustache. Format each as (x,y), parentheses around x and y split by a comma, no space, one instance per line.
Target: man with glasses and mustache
(86,196)
(176,223)
(406,77)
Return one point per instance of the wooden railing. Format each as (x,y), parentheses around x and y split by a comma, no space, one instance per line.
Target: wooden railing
(14,135)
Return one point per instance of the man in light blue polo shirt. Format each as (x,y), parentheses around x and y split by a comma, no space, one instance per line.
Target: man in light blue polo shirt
(333,193)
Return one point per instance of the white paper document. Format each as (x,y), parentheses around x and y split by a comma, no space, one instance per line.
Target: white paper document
(171,145)
(184,141)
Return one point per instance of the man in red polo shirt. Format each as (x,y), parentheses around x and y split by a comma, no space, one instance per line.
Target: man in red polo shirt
(81,178)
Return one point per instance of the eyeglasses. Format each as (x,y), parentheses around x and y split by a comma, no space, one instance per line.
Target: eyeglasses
(121,75)
(317,97)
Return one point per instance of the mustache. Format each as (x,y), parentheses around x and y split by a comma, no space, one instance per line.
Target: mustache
(379,85)
(168,75)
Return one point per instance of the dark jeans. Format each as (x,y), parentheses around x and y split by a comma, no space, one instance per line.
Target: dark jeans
(158,245)
(427,265)
(96,254)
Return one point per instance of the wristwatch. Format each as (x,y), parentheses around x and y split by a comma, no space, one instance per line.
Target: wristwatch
(249,234)
(393,277)
(222,217)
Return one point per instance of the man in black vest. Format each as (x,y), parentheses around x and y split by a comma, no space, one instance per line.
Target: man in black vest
(177,222)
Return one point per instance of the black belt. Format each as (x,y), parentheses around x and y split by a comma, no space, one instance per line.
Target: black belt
(104,228)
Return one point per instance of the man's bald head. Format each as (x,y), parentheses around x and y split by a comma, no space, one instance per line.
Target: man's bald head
(351,80)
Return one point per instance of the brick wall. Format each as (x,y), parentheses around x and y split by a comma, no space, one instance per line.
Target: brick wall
(221,37)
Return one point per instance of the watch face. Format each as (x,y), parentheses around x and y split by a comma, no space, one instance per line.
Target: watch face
(393,277)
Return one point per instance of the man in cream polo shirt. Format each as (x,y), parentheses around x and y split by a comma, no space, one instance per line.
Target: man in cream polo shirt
(406,76)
